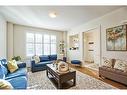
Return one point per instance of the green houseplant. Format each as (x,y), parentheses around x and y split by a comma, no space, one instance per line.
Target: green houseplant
(16,58)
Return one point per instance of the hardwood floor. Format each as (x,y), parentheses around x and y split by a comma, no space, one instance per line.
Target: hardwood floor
(95,74)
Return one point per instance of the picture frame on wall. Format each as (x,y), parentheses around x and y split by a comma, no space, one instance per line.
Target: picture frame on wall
(116,38)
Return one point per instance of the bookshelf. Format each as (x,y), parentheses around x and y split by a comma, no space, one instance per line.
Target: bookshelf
(74,42)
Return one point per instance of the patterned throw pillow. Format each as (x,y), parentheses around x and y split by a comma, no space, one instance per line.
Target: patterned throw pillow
(121,65)
(36,58)
(12,66)
(107,62)
(5,84)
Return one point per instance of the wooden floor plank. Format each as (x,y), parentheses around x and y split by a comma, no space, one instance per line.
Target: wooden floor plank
(95,74)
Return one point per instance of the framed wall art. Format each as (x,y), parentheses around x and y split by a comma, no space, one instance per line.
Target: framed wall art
(116,38)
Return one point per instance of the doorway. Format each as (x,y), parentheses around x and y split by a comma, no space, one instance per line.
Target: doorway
(92,54)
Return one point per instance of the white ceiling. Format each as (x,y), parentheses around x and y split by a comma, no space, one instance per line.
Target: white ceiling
(68,16)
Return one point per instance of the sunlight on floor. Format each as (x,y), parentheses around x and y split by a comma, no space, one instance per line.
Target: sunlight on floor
(93,66)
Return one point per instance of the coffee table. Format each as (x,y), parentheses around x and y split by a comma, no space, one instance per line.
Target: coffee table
(61,80)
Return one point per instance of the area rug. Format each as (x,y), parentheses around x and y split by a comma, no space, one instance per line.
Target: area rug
(39,80)
(93,66)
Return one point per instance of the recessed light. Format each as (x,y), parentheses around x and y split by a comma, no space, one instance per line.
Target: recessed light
(53,14)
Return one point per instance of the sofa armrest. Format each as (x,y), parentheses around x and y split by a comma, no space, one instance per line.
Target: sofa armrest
(22,65)
(32,63)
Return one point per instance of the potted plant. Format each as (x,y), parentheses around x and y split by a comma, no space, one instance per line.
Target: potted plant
(16,58)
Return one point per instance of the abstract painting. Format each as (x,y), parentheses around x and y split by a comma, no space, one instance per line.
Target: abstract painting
(116,38)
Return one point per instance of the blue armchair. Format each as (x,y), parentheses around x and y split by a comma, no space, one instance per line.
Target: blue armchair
(18,79)
(44,59)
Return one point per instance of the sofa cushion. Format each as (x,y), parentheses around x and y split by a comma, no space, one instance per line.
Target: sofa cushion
(103,67)
(22,65)
(121,65)
(47,62)
(107,62)
(18,82)
(44,58)
(40,64)
(17,73)
(112,70)
(43,63)
(4,84)
(53,57)
(120,72)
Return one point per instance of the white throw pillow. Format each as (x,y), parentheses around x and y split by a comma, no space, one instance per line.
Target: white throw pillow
(107,62)
(5,84)
(121,65)
(36,58)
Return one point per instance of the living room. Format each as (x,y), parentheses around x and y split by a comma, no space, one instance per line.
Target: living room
(53,47)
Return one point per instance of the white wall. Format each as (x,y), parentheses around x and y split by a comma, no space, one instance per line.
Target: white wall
(2,37)
(10,33)
(112,19)
(17,39)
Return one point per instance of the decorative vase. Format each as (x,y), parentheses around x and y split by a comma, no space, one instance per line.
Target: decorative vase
(63,67)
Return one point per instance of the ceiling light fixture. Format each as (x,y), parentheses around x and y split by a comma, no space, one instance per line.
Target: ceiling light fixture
(53,14)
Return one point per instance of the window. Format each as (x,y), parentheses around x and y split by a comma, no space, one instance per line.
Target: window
(53,44)
(30,44)
(46,44)
(49,44)
(38,44)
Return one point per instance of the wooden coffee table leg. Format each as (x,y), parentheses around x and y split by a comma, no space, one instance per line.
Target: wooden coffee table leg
(47,73)
(74,81)
(59,85)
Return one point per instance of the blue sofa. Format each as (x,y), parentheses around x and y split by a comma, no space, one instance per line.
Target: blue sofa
(18,79)
(44,59)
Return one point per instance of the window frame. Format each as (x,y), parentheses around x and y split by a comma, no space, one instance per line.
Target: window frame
(27,42)
(35,43)
(41,43)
